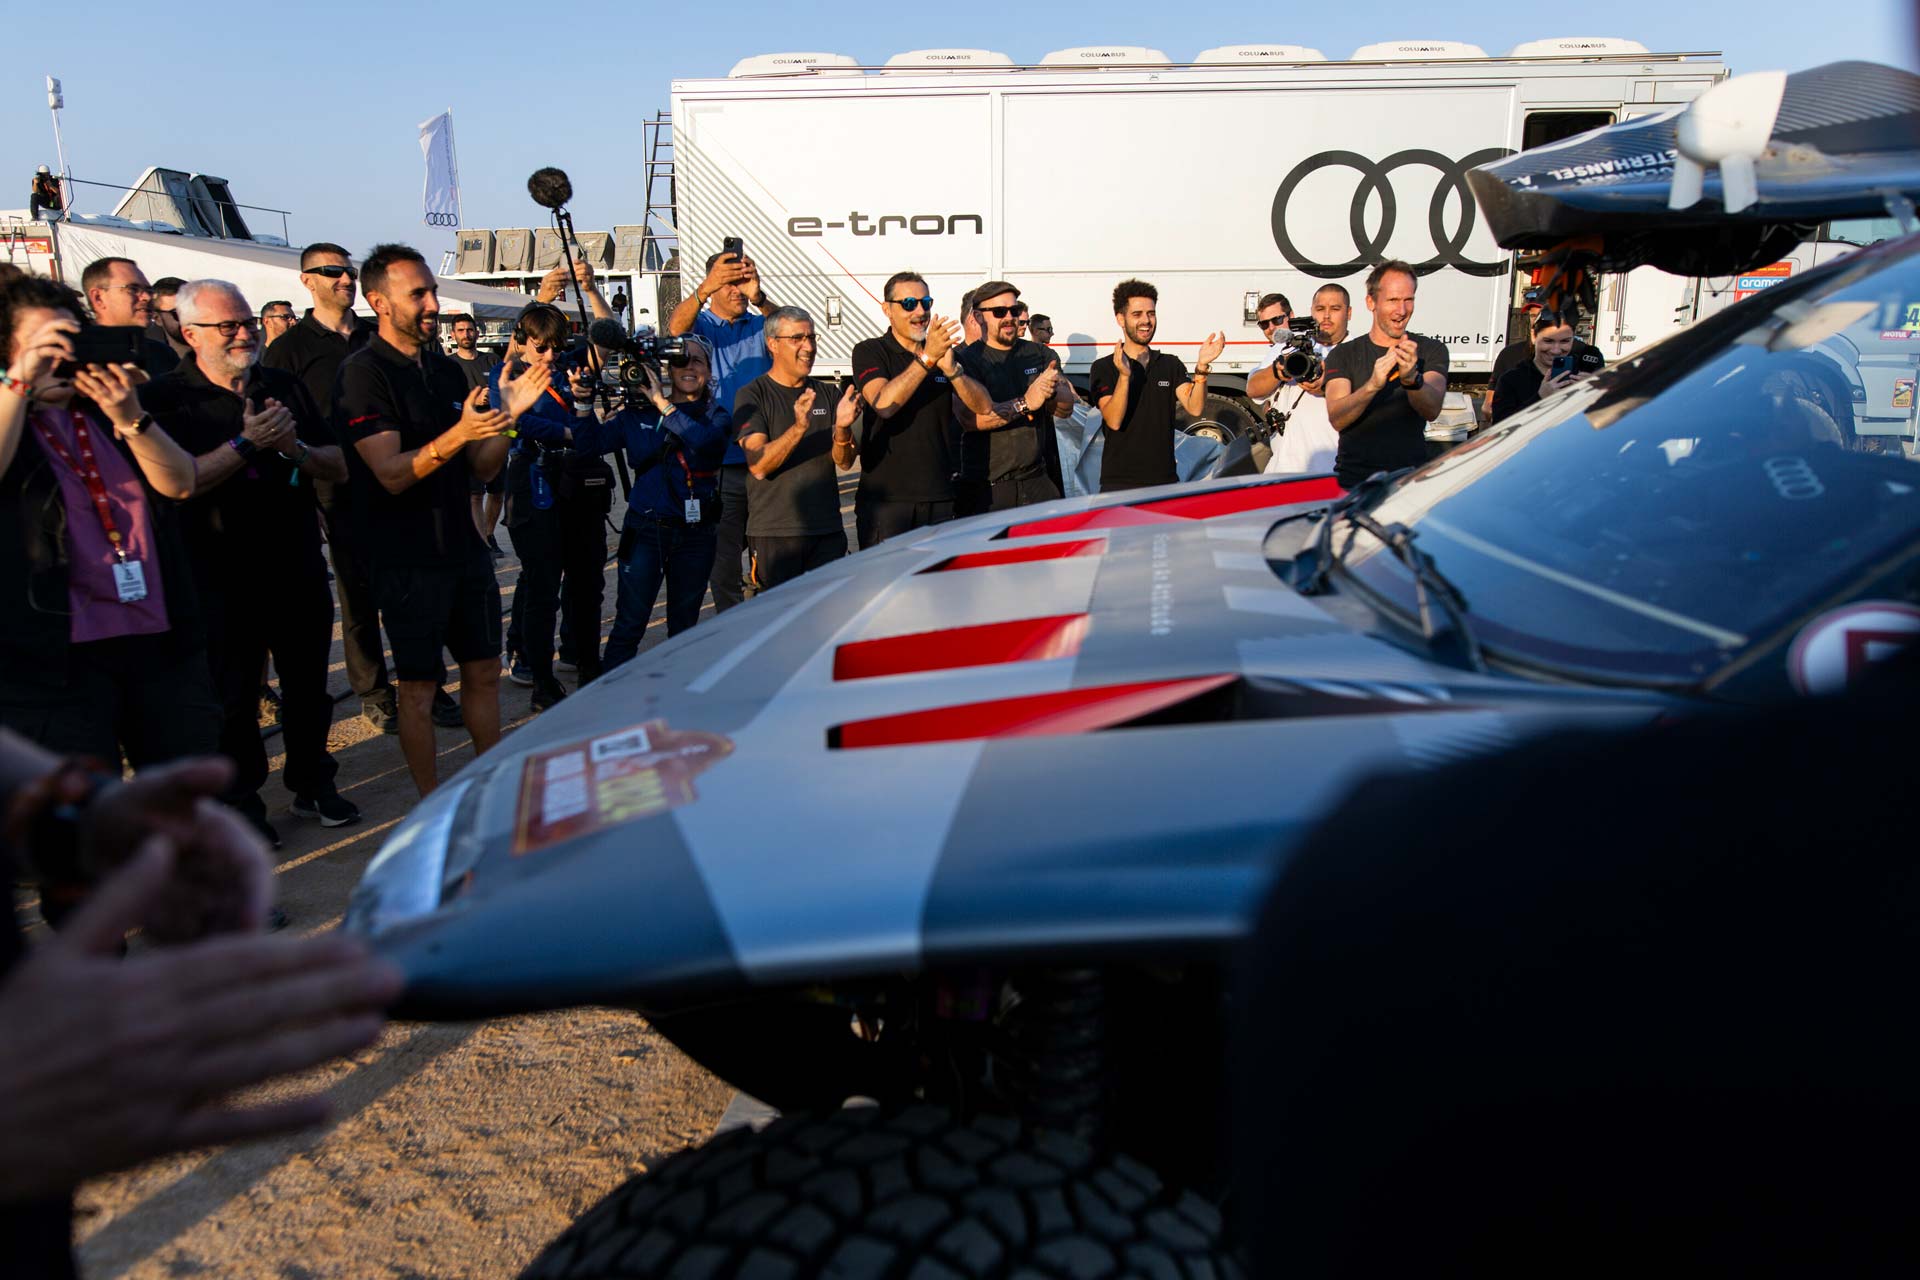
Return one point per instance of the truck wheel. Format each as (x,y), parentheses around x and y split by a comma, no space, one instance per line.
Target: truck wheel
(872,1192)
(1223,418)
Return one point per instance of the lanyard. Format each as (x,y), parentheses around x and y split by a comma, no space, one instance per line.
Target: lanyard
(88,469)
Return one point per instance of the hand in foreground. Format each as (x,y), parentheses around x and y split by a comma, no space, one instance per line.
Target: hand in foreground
(552,285)
(109,1061)
(477,421)
(1041,389)
(942,336)
(44,347)
(522,392)
(222,876)
(269,428)
(848,409)
(115,388)
(1211,348)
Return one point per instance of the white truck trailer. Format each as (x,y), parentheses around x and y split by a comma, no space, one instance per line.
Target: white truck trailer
(1254,168)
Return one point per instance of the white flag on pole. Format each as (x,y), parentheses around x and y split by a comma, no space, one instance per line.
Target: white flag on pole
(442,194)
(55,99)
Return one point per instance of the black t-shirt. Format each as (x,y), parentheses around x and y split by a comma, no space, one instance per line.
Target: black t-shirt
(1140,453)
(1390,433)
(477,368)
(430,523)
(1015,450)
(908,457)
(1586,359)
(312,353)
(158,358)
(802,498)
(260,517)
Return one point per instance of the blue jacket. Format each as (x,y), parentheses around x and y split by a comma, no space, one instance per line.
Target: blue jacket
(664,477)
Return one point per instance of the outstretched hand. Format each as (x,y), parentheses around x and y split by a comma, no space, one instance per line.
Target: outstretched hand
(521,393)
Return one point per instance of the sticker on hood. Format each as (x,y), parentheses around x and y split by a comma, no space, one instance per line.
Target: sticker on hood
(639,772)
(1836,648)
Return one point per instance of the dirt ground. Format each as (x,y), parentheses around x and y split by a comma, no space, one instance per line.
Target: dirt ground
(456,1150)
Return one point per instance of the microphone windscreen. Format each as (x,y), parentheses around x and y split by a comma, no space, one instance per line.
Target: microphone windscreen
(549,188)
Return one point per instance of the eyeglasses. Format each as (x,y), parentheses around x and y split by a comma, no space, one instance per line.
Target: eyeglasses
(332,272)
(796,338)
(228,328)
(911,304)
(277,318)
(1271,321)
(1017,310)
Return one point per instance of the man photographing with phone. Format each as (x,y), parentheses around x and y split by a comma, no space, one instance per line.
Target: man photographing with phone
(1386,385)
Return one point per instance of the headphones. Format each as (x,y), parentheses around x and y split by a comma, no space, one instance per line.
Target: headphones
(527,312)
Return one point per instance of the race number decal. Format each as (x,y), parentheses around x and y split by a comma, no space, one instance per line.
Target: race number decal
(1833,650)
(587,786)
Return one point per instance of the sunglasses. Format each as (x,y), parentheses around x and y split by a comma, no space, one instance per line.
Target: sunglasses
(1017,310)
(911,304)
(796,338)
(333,273)
(228,328)
(1271,321)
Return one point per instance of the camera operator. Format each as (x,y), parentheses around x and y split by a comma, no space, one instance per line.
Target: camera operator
(675,442)
(1386,385)
(1136,389)
(717,311)
(254,542)
(782,420)
(908,377)
(1009,447)
(418,436)
(1307,443)
(557,504)
(1556,365)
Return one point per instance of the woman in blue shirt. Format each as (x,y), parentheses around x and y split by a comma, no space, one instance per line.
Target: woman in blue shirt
(675,440)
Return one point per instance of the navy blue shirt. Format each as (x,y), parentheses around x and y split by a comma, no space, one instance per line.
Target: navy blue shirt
(547,422)
(739,356)
(664,477)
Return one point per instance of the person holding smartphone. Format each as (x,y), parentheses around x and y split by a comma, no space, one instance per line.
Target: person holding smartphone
(1554,367)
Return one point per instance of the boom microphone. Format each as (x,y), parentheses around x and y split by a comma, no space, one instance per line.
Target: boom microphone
(549,188)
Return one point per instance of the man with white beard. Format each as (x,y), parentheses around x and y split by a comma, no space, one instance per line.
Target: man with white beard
(254,544)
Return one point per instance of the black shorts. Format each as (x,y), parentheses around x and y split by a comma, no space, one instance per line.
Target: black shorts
(496,486)
(875,521)
(425,610)
(782,559)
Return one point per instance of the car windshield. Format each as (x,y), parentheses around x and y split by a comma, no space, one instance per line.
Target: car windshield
(1656,521)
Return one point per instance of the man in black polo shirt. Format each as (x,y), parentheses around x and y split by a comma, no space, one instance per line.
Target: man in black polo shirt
(312,351)
(1010,444)
(419,435)
(796,433)
(1386,385)
(259,445)
(1136,389)
(908,377)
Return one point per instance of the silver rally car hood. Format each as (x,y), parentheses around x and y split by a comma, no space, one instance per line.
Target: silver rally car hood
(1093,724)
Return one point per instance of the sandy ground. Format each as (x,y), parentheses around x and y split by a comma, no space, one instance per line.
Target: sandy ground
(456,1150)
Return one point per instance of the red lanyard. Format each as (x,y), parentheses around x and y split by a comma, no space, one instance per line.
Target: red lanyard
(88,469)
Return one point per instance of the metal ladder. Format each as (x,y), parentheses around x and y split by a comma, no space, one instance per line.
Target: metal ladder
(662,232)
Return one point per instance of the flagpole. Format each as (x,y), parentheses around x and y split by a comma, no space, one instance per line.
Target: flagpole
(55,100)
(453,169)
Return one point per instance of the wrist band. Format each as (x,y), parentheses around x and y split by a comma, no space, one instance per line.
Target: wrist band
(433,451)
(243,446)
(12,383)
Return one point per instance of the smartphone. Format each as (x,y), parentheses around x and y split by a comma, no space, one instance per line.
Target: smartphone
(105,344)
(1561,364)
(734,245)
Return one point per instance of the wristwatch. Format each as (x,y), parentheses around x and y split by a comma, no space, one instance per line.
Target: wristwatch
(1419,372)
(145,420)
(243,446)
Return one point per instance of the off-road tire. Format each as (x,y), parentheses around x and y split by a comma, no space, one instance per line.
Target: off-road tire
(873,1192)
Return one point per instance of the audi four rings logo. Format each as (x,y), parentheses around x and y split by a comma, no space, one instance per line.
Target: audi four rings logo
(441,220)
(1374,175)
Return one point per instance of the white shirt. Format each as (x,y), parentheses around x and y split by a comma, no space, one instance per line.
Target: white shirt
(1310,443)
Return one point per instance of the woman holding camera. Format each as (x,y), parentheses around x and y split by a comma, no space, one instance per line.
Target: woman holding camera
(676,438)
(104,650)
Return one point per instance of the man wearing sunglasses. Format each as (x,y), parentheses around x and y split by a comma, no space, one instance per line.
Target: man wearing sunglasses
(275,319)
(1307,443)
(1011,444)
(908,377)
(259,445)
(118,293)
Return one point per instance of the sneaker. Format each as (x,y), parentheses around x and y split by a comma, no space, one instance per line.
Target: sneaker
(331,808)
(546,694)
(520,673)
(381,719)
(446,712)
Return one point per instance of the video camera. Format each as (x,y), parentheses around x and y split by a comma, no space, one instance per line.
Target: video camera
(644,347)
(1304,359)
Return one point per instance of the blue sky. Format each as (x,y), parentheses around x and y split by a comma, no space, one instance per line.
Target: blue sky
(313,108)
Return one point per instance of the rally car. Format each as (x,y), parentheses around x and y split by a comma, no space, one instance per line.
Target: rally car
(963,829)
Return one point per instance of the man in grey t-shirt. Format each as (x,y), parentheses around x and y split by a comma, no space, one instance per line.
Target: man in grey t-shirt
(796,433)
